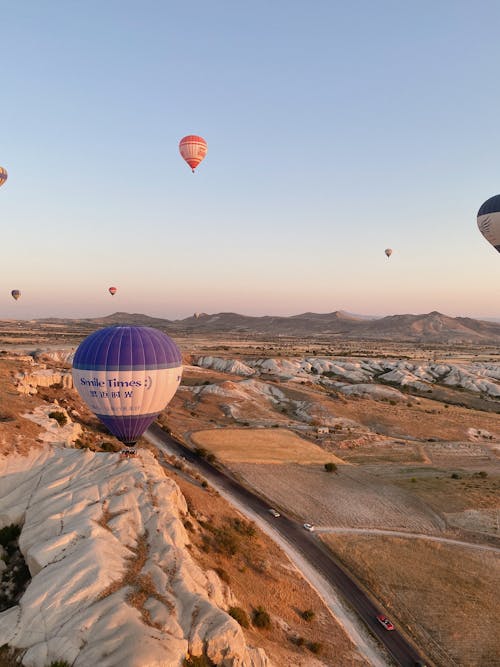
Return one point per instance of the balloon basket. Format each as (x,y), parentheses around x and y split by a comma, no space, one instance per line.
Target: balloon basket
(128,453)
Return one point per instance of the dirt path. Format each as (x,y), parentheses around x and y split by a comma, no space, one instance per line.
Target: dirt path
(396,533)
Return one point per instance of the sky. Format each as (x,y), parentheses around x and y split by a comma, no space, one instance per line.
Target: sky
(334,130)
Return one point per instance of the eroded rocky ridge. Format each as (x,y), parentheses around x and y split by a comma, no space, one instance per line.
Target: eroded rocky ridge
(113,583)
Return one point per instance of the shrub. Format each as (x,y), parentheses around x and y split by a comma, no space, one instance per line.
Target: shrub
(243,527)
(314,647)
(59,663)
(107,446)
(330,467)
(201,451)
(204,484)
(260,618)
(60,417)
(223,575)
(197,661)
(308,615)
(455,475)
(240,615)
(8,534)
(300,641)
(413,480)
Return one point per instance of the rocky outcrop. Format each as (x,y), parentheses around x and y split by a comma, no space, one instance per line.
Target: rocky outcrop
(113,583)
(27,383)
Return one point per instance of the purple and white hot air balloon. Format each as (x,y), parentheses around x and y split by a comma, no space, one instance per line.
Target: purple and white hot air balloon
(127,375)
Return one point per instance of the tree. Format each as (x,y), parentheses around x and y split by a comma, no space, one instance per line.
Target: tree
(331,467)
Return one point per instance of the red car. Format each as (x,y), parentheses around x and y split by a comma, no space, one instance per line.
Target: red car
(385,622)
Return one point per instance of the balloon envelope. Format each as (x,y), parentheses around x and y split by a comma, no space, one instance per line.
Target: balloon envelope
(112,291)
(488,221)
(15,294)
(3,175)
(127,375)
(388,252)
(193,149)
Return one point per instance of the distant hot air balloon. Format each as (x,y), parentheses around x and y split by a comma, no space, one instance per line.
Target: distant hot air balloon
(127,375)
(197,316)
(15,294)
(112,291)
(3,176)
(488,221)
(193,149)
(388,252)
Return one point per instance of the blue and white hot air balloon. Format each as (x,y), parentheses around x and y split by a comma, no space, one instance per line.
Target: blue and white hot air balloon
(127,375)
(488,221)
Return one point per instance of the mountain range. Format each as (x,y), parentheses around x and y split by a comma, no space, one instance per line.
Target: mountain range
(431,327)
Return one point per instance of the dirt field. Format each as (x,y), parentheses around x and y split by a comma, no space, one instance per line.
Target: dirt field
(446,596)
(350,497)
(267,446)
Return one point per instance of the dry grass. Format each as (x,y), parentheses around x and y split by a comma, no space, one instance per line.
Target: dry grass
(260,574)
(261,446)
(446,597)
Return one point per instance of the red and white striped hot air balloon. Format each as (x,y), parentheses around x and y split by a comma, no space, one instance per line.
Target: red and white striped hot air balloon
(193,149)
(112,290)
(3,175)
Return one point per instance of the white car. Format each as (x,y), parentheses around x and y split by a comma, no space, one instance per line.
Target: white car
(309,527)
(274,512)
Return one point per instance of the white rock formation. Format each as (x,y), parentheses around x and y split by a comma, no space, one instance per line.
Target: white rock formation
(54,433)
(27,383)
(478,377)
(113,583)
(225,365)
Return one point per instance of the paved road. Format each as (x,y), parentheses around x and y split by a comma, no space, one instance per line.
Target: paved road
(309,546)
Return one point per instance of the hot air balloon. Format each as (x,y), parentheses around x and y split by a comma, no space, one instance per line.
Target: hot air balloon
(15,294)
(3,176)
(197,316)
(112,291)
(388,252)
(193,149)
(488,221)
(127,375)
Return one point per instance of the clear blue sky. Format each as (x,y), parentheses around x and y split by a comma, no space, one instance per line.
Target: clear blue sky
(335,129)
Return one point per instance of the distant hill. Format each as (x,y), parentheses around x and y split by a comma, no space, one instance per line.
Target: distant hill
(426,328)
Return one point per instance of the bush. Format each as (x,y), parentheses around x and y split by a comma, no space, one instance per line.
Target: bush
(197,661)
(8,534)
(330,467)
(223,575)
(60,417)
(243,527)
(300,641)
(308,615)
(314,647)
(240,615)
(201,451)
(261,618)
(455,475)
(59,663)
(107,446)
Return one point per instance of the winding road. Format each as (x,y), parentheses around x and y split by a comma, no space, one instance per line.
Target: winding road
(309,546)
